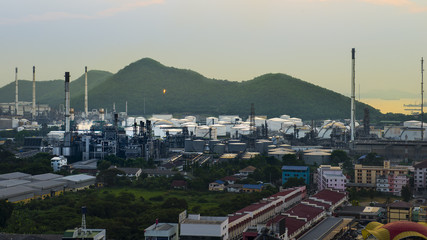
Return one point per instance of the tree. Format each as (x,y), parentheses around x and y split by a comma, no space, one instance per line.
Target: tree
(292,160)
(294,182)
(406,193)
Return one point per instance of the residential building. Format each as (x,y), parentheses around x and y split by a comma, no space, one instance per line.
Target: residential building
(252,187)
(392,183)
(162,231)
(159,173)
(330,177)
(399,211)
(218,185)
(369,174)
(420,176)
(296,172)
(57,162)
(196,227)
(247,170)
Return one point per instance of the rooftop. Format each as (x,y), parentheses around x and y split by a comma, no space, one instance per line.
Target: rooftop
(14,175)
(12,182)
(322,229)
(45,184)
(248,169)
(295,168)
(330,195)
(400,204)
(422,164)
(14,191)
(161,227)
(305,211)
(44,177)
(78,178)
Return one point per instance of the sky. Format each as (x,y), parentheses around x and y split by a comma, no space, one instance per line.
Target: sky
(234,40)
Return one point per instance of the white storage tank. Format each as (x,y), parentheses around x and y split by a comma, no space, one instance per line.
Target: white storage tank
(412,123)
(130,121)
(275,124)
(140,119)
(221,130)
(285,116)
(211,121)
(191,118)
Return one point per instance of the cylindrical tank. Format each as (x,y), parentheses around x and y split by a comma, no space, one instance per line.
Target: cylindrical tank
(56,151)
(219,148)
(191,118)
(211,121)
(236,147)
(198,145)
(188,145)
(212,143)
(317,157)
(220,130)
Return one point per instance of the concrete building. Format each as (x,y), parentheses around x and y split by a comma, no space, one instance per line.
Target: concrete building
(17,194)
(218,185)
(296,172)
(49,188)
(369,174)
(57,162)
(420,176)
(162,231)
(391,183)
(330,177)
(399,211)
(196,227)
(78,182)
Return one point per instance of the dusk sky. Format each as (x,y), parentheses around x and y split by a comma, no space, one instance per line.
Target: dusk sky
(224,39)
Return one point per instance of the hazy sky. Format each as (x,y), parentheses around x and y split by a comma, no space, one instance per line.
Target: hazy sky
(223,39)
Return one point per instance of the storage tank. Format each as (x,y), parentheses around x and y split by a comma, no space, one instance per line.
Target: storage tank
(188,145)
(212,143)
(191,127)
(220,130)
(275,124)
(279,153)
(261,146)
(412,123)
(191,118)
(236,147)
(317,157)
(219,148)
(140,119)
(198,145)
(211,121)
(285,116)
(130,121)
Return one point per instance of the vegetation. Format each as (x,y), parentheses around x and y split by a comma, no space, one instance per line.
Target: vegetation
(124,212)
(37,164)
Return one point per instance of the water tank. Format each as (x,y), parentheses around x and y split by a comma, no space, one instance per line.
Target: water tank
(211,121)
(212,143)
(318,158)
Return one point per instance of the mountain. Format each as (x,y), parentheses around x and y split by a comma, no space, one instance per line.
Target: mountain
(189,92)
(141,84)
(52,92)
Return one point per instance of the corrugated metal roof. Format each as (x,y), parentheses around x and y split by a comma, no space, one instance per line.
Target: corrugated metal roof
(12,183)
(14,191)
(14,175)
(323,228)
(77,178)
(295,168)
(45,184)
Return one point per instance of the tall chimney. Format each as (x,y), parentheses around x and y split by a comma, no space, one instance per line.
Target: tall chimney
(353,107)
(86,105)
(34,93)
(16,91)
(67,102)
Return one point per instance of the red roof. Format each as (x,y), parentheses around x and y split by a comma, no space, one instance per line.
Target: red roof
(305,211)
(275,220)
(253,207)
(325,205)
(293,224)
(235,217)
(284,193)
(400,204)
(330,195)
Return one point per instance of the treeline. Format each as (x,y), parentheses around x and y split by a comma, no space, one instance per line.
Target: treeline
(37,164)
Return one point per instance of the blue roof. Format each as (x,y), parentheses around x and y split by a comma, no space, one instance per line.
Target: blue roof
(253,186)
(219,182)
(295,168)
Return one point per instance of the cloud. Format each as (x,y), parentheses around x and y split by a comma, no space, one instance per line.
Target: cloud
(123,6)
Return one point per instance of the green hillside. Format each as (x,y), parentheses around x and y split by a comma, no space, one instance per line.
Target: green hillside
(52,92)
(190,92)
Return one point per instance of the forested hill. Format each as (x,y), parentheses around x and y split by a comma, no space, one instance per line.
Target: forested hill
(188,92)
(52,92)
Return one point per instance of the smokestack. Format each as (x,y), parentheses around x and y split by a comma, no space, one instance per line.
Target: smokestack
(67,102)
(16,91)
(353,107)
(34,93)
(86,105)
